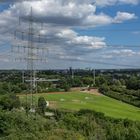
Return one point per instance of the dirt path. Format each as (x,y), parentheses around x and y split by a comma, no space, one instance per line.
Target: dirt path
(93,91)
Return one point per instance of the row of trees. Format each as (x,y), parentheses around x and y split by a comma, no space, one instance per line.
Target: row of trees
(122,87)
(121,93)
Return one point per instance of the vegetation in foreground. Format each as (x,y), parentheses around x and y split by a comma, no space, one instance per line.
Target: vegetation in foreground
(19,124)
(82,125)
(65,125)
(76,101)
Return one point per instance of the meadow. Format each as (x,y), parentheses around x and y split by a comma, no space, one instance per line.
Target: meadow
(75,101)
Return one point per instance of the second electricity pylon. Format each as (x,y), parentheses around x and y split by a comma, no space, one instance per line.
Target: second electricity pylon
(25,43)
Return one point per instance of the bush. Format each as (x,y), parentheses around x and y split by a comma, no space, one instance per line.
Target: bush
(41,105)
(9,102)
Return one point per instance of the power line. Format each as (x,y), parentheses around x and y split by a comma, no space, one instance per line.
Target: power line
(116,30)
(130,22)
(122,46)
(98,62)
(112,64)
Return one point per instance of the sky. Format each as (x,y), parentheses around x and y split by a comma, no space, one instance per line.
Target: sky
(99,34)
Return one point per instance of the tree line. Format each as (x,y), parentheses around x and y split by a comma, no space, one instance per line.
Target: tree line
(121,86)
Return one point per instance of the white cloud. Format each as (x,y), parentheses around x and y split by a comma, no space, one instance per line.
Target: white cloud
(98,2)
(46,8)
(125,52)
(87,42)
(68,13)
(122,53)
(97,20)
(60,17)
(114,2)
(74,13)
(124,16)
(129,1)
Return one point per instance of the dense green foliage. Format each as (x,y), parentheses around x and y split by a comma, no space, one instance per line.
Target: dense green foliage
(122,93)
(123,85)
(41,105)
(82,125)
(18,123)
(8,102)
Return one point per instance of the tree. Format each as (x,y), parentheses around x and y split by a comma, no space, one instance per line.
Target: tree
(133,83)
(103,89)
(77,82)
(100,80)
(63,84)
(9,102)
(87,80)
(41,105)
(15,89)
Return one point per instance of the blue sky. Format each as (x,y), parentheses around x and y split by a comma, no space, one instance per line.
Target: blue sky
(4,6)
(80,33)
(122,36)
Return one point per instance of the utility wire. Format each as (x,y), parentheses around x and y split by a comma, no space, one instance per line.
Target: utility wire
(116,30)
(97,62)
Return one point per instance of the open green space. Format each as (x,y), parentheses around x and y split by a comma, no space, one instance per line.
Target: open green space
(77,100)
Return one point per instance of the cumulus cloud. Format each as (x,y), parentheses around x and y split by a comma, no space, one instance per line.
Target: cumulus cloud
(68,13)
(123,16)
(97,20)
(113,2)
(74,39)
(129,1)
(60,17)
(120,53)
(97,2)
(125,52)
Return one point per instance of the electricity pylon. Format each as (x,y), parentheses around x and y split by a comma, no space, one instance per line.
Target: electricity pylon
(25,43)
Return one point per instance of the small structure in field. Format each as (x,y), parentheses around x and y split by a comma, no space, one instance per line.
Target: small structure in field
(32,110)
(49,114)
(62,100)
(47,104)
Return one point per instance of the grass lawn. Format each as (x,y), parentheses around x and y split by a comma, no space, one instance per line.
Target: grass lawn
(77,101)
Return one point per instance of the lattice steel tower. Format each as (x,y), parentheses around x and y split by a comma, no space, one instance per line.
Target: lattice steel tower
(32,45)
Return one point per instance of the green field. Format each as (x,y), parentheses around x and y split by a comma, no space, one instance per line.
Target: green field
(77,101)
